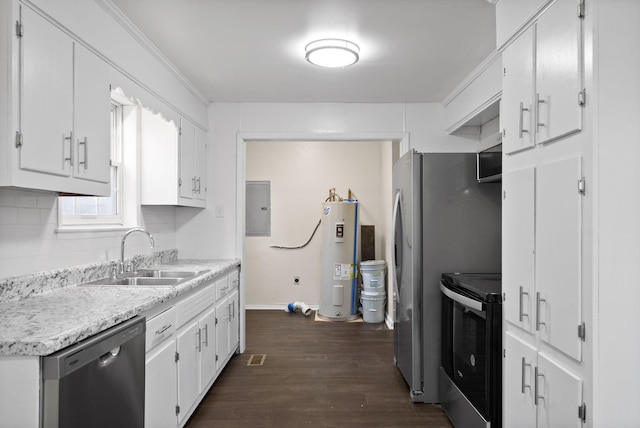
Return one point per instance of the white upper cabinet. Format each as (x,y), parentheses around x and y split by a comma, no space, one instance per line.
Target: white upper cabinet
(173,162)
(516,109)
(62,130)
(542,79)
(91,125)
(193,162)
(46,101)
(558,72)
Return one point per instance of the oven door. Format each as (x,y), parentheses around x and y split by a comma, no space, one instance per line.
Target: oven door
(465,336)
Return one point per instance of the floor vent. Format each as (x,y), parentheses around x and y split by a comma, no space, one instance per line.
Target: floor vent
(256,359)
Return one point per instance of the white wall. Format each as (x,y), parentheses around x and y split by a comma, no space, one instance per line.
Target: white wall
(29,242)
(301,174)
(200,233)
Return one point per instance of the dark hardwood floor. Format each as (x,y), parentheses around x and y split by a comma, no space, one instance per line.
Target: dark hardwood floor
(324,374)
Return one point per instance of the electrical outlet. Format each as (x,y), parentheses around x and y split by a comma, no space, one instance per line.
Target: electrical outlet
(296,280)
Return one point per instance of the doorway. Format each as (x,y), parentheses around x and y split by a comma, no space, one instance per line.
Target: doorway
(300,174)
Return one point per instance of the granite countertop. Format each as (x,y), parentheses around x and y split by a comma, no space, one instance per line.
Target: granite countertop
(45,323)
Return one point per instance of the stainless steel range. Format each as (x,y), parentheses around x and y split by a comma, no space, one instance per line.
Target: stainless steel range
(471,372)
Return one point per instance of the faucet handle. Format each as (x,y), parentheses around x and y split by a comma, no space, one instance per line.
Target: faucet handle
(135,262)
(115,269)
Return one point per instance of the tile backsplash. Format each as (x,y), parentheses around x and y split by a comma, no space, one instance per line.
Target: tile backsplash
(29,241)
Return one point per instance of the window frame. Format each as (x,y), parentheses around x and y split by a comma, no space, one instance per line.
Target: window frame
(103,220)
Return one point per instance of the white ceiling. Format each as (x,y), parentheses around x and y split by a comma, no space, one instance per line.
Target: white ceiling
(253,50)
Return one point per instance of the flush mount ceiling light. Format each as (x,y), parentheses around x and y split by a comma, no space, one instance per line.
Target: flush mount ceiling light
(332,53)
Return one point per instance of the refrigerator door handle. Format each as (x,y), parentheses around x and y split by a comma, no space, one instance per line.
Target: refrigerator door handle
(396,210)
(463,300)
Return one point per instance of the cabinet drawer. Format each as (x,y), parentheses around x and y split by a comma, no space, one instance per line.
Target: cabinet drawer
(196,303)
(160,327)
(234,280)
(222,287)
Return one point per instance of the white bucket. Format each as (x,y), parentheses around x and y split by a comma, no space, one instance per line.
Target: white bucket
(373,275)
(373,306)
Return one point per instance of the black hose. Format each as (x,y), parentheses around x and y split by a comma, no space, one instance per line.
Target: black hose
(301,246)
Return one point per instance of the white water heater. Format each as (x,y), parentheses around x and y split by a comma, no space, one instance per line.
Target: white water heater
(340,257)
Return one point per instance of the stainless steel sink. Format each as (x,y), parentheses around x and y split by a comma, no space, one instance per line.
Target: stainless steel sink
(162,273)
(137,280)
(151,278)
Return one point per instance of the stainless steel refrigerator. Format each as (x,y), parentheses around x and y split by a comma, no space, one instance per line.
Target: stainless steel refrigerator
(444,221)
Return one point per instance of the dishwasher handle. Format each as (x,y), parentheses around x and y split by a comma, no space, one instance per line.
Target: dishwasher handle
(99,347)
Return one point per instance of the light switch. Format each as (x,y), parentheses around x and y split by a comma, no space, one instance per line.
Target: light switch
(219,211)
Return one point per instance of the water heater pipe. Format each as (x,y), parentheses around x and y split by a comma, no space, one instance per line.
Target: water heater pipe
(302,306)
(354,272)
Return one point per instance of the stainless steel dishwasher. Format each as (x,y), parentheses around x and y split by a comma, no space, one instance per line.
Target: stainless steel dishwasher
(98,382)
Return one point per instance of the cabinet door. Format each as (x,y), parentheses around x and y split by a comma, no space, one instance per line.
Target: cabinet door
(91,112)
(516,107)
(519,409)
(234,321)
(558,71)
(558,255)
(46,96)
(560,394)
(160,387)
(207,324)
(200,146)
(222,332)
(189,345)
(518,234)
(187,159)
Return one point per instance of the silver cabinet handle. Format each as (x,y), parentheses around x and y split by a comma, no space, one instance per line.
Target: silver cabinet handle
(522,294)
(163,329)
(193,185)
(198,182)
(70,158)
(537,396)
(524,368)
(538,300)
(521,130)
(206,335)
(84,143)
(199,340)
(538,101)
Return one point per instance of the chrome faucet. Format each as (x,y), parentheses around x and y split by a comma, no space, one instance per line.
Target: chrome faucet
(124,238)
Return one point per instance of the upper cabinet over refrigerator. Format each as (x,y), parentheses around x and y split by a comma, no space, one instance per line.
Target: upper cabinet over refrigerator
(542,89)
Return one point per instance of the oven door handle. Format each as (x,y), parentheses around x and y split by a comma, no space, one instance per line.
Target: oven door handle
(463,300)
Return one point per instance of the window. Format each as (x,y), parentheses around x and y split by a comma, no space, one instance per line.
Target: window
(96,210)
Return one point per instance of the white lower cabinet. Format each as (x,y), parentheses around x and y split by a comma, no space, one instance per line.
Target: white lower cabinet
(188,371)
(161,386)
(188,345)
(537,390)
(227,321)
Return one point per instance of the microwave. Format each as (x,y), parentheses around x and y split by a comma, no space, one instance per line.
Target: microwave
(489,164)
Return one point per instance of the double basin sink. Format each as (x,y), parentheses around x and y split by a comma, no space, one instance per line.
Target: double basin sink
(151,278)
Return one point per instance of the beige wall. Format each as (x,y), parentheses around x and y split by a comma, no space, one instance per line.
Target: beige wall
(301,174)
